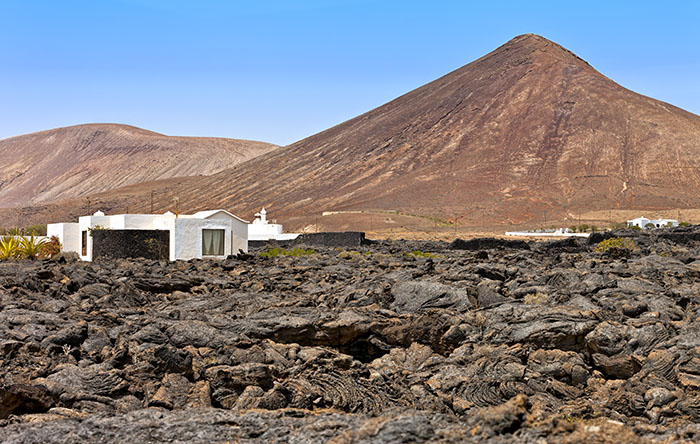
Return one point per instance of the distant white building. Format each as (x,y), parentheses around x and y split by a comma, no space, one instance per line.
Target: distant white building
(643,222)
(215,233)
(262,230)
(559,232)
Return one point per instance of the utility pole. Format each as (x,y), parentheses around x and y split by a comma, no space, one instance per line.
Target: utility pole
(177,206)
(152,202)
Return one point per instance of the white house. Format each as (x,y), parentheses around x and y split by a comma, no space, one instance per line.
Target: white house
(262,230)
(642,222)
(215,233)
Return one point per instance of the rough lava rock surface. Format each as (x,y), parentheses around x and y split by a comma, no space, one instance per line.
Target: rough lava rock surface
(503,344)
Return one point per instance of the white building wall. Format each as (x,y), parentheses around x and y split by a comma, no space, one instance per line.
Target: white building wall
(67,233)
(167,222)
(219,216)
(116,222)
(665,222)
(133,221)
(262,229)
(85,223)
(240,236)
(188,237)
(236,231)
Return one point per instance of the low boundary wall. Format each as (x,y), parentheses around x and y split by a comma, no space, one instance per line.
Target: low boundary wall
(122,244)
(326,239)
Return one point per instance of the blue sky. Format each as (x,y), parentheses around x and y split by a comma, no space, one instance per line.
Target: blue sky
(282,70)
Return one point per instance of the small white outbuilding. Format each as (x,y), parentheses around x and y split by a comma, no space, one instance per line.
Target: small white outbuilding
(215,233)
(262,230)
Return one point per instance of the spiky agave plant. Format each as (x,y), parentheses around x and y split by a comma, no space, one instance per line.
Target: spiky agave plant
(9,248)
(31,247)
(15,232)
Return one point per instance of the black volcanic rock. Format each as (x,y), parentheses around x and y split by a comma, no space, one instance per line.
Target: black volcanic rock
(553,342)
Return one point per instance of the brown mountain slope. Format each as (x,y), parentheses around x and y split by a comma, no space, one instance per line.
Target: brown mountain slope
(527,129)
(86,159)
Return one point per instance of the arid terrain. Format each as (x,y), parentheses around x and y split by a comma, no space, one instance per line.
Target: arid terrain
(475,341)
(527,134)
(81,160)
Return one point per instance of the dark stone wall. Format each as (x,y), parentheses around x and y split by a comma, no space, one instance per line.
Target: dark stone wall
(332,239)
(488,243)
(326,239)
(149,244)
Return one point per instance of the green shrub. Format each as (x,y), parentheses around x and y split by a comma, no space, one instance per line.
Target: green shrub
(36,230)
(420,254)
(616,243)
(96,228)
(344,254)
(649,226)
(583,228)
(537,298)
(683,224)
(294,252)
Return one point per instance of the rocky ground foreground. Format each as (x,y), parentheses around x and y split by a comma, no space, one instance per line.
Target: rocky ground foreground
(482,341)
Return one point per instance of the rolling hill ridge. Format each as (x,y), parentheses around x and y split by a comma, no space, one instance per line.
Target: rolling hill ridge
(526,130)
(81,160)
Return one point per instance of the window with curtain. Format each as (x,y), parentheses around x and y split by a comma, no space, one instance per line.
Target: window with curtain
(213,242)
